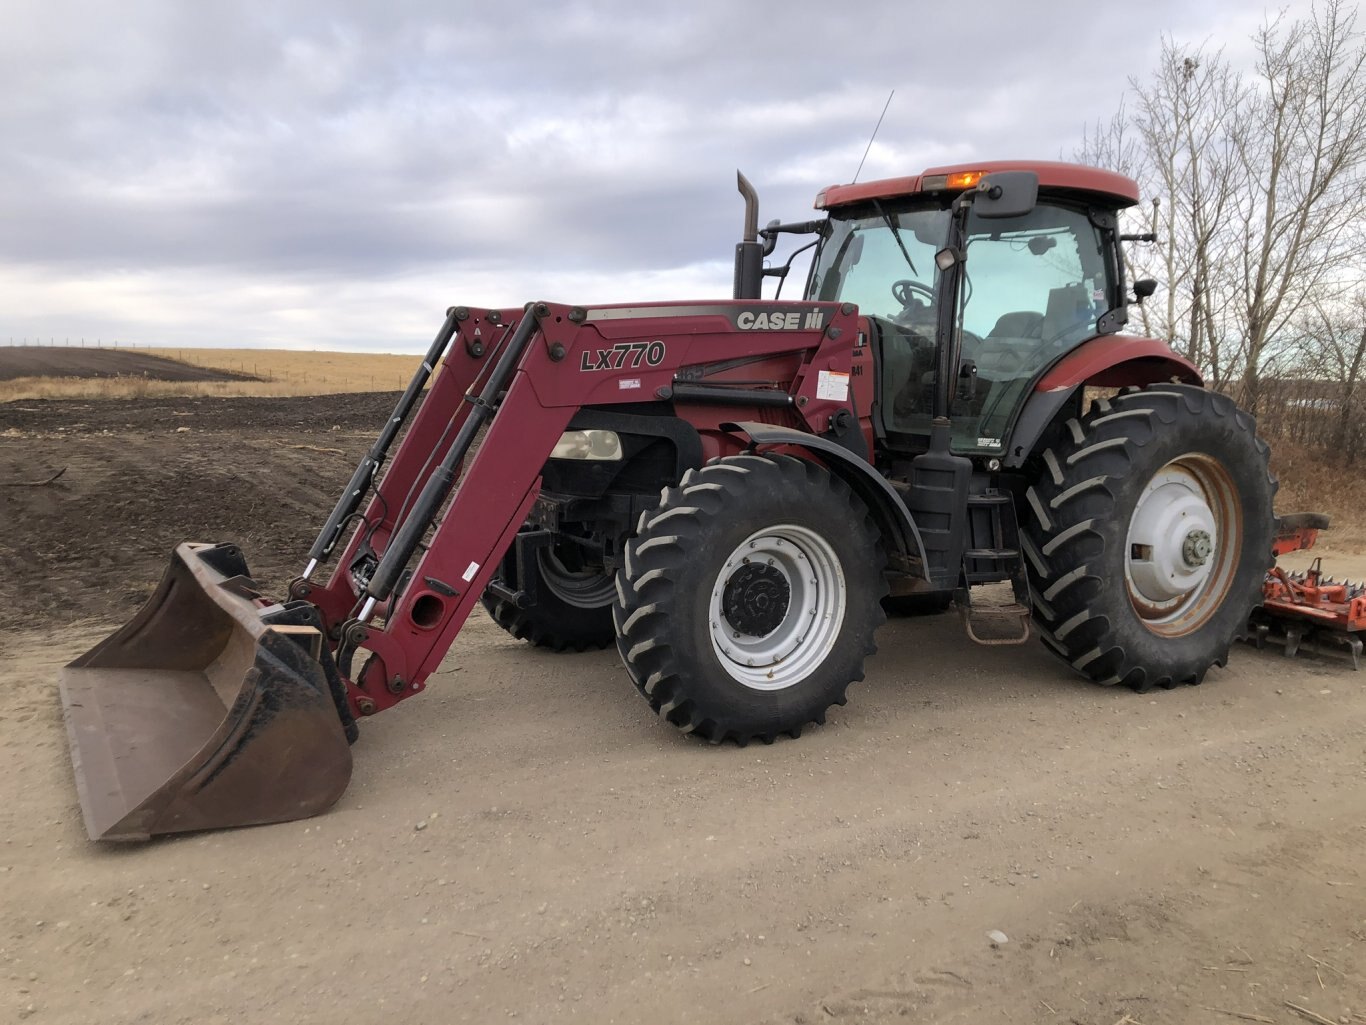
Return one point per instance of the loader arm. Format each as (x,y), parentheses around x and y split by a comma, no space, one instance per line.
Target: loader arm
(430,433)
(526,385)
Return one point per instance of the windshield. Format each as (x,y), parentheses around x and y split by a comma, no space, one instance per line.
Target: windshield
(884,263)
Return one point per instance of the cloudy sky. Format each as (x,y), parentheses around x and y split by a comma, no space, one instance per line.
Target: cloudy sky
(333,175)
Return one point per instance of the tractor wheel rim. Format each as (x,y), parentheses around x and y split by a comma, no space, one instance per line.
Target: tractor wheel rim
(1183,545)
(777,607)
(584,589)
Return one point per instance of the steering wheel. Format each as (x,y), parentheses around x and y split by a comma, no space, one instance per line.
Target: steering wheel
(905,289)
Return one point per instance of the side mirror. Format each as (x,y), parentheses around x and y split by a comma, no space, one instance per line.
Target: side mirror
(1006,194)
(947,257)
(770,236)
(1143,288)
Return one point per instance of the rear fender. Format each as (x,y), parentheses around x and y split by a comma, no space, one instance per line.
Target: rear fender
(889,512)
(1116,361)
(1111,361)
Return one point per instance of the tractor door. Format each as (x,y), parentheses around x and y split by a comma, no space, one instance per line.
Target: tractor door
(1034,289)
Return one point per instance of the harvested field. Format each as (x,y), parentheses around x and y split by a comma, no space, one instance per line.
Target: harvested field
(324,371)
(1177,858)
(82,373)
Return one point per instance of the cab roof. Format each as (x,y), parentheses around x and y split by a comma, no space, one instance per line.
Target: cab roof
(1113,187)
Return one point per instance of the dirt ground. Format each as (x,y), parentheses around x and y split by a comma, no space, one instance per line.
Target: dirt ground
(138,476)
(60,361)
(1194,856)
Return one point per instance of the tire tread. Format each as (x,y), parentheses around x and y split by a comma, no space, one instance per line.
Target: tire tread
(1066,551)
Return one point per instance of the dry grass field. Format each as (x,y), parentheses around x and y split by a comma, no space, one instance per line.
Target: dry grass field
(272,372)
(1313,480)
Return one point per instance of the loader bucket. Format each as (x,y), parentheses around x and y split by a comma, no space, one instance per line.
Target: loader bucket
(199,714)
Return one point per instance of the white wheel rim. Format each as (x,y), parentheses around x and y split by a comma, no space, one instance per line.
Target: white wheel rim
(1183,545)
(758,646)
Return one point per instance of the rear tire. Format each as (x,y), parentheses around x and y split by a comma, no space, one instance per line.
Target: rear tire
(749,598)
(1148,536)
(573,607)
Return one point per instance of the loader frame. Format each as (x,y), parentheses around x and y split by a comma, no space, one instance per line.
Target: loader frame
(424,549)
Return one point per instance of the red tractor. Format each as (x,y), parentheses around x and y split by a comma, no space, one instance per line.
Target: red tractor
(732,492)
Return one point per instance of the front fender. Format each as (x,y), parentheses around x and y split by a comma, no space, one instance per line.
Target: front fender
(889,512)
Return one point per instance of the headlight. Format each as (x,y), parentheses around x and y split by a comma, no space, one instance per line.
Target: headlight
(587,445)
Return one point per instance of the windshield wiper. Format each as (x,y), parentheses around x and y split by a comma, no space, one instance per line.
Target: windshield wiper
(896,234)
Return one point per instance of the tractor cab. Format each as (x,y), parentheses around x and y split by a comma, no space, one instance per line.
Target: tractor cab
(968,303)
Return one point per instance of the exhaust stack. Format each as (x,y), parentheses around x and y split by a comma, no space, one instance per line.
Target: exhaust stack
(749,253)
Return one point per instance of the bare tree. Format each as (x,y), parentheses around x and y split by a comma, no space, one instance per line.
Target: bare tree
(1336,343)
(1188,119)
(1180,143)
(1304,153)
(1261,182)
(1113,145)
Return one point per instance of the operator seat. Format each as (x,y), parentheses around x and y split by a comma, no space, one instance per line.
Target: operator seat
(1019,324)
(1009,345)
(1005,361)
(1069,309)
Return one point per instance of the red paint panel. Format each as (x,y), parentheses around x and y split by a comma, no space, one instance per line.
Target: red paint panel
(1052,175)
(862,382)
(611,358)
(884,188)
(490,503)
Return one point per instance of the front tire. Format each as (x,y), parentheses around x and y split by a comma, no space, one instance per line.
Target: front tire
(1148,536)
(573,609)
(749,598)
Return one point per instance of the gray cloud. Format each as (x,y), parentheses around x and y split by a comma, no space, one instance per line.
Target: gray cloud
(285,154)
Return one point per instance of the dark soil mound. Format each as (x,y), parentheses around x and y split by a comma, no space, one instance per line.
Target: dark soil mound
(140,476)
(40,361)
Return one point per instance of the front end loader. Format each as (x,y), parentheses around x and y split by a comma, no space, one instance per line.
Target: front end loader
(168,714)
(735,493)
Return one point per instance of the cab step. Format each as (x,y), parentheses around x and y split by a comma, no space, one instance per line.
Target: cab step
(996,625)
